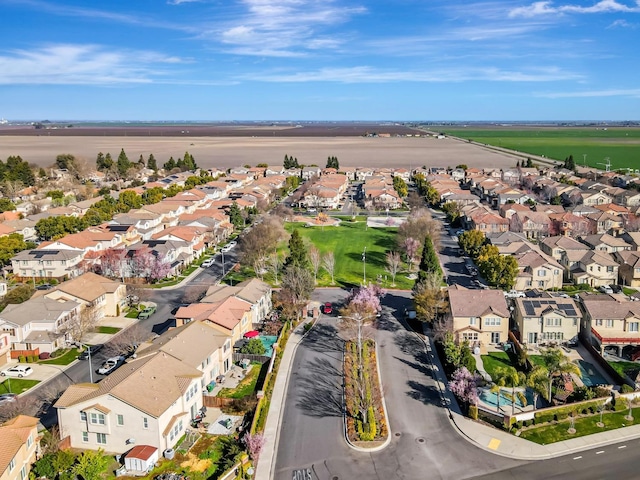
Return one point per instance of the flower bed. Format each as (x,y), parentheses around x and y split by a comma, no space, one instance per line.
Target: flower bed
(365,416)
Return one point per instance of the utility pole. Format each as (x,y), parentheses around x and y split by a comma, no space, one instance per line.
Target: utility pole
(364,266)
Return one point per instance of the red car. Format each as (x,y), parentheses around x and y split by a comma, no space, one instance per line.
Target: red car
(327,308)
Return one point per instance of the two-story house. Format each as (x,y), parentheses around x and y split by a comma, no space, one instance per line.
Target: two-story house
(629,267)
(547,319)
(612,322)
(605,243)
(538,270)
(47,264)
(480,317)
(595,268)
(254,291)
(231,316)
(20,447)
(149,400)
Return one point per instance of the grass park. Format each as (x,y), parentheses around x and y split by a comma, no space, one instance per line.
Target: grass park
(620,145)
(17,385)
(347,242)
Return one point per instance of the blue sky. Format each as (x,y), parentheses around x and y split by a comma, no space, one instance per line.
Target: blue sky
(319,60)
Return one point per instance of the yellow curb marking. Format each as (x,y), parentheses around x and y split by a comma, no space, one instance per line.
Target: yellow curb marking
(494,444)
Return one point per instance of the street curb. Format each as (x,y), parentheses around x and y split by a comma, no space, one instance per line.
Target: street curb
(386,443)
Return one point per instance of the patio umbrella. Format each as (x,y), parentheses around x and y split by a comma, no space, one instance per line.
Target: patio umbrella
(251,334)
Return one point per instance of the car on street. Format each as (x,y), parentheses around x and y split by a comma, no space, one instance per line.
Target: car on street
(110,364)
(207,263)
(44,286)
(147,312)
(6,398)
(17,371)
(93,349)
(229,246)
(327,308)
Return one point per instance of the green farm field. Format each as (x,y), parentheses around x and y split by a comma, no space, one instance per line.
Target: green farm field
(620,145)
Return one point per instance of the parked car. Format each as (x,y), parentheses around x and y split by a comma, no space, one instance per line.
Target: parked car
(514,294)
(44,286)
(616,288)
(606,289)
(229,246)
(110,365)
(17,371)
(6,398)
(207,263)
(93,349)
(147,312)
(327,308)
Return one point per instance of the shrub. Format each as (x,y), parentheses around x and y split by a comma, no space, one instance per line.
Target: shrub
(34,358)
(626,388)
(44,356)
(22,359)
(308,326)
(473,412)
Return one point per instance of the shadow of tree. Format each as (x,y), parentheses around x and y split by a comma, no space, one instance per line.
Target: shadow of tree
(427,394)
(321,387)
(323,338)
(386,322)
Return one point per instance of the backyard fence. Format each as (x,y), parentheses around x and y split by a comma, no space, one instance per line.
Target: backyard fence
(238,357)
(215,402)
(586,342)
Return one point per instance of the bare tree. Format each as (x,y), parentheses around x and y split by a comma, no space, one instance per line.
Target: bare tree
(83,322)
(10,188)
(260,266)
(316,260)
(275,263)
(393,265)
(127,341)
(329,264)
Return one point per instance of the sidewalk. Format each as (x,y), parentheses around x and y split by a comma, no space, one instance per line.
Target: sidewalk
(503,443)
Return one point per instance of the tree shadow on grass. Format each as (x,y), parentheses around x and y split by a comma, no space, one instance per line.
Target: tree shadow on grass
(320,384)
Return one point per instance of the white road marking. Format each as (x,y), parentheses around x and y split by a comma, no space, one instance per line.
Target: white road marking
(622,446)
(577,458)
(601,451)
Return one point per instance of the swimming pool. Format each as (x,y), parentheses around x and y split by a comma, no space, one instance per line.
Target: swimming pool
(490,398)
(590,376)
(268,341)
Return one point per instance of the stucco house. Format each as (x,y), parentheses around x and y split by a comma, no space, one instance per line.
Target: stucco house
(545,319)
(19,447)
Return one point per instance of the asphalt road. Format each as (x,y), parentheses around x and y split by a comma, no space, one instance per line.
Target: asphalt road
(423,446)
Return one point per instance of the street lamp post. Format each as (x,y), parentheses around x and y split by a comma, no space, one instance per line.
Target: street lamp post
(88,352)
(364,266)
(222,252)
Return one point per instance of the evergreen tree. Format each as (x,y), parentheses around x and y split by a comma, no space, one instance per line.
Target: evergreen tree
(518,164)
(169,164)
(298,255)
(141,161)
(429,263)
(151,163)
(529,163)
(124,164)
(235,215)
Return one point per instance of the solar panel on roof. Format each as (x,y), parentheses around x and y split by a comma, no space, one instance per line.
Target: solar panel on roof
(528,308)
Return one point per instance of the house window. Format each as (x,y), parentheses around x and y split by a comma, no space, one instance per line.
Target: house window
(492,321)
(472,321)
(556,272)
(495,337)
(541,283)
(97,419)
(23,473)
(85,437)
(470,336)
(609,269)
(145,422)
(599,322)
(609,324)
(542,273)
(120,420)
(101,438)
(83,416)
(633,326)
(29,441)
(12,464)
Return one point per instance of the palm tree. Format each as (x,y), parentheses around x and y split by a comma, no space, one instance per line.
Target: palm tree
(537,380)
(512,378)
(557,364)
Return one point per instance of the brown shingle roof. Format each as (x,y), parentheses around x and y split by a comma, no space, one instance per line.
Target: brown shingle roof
(475,303)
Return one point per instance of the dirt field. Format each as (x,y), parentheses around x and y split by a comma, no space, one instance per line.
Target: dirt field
(225,152)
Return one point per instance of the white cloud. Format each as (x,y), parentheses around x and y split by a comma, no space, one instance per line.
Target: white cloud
(284,28)
(180,2)
(548,8)
(622,24)
(633,92)
(366,74)
(81,65)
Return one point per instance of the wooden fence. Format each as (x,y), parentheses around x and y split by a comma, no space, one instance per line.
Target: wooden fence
(215,402)
(238,357)
(24,353)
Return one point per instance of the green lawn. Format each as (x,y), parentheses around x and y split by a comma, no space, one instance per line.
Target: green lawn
(17,385)
(494,360)
(584,426)
(108,330)
(347,242)
(626,368)
(620,145)
(536,360)
(64,359)
(246,386)
(133,313)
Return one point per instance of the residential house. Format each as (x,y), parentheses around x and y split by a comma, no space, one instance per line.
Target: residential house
(633,239)
(20,447)
(149,400)
(47,264)
(508,210)
(5,347)
(546,319)
(254,291)
(538,270)
(231,316)
(480,317)
(23,226)
(146,223)
(554,246)
(605,243)
(40,324)
(567,223)
(603,222)
(629,267)
(534,225)
(488,222)
(595,268)
(592,198)
(92,291)
(194,237)
(612,322)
